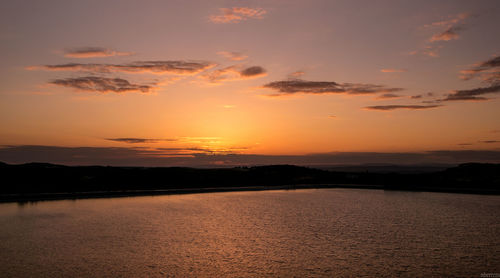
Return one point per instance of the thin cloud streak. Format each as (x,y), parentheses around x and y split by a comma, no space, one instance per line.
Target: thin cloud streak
(393,70)
(93,52)
(156,67)
(395,107)
(102,84)
(388,96)
(489,141)
(289,87)
(140,140)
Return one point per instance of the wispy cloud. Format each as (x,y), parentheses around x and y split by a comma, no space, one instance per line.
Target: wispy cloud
(156,67)
(388,96)
(394,107)
(233,56)
(488,72)
(102,84)
(289,87)
(393,70)
(450,21)
(450,30)
(91,52)
(233,73)
(296,74)
(237,14)
(447,35)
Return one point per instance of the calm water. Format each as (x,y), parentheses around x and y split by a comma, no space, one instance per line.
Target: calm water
(303,233)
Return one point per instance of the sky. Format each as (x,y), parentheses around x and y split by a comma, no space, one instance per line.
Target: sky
(193,83)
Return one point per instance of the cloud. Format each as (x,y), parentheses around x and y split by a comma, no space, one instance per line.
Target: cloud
(489,141)
(233,56)
(452,27)
(156,67)
(237,14)
(452,21)
(473,94)
(253,71)
(139,140)
(295,86)
(488,71)
(102,84)
(388,96)
(394,107)
(430,94)
(233,73)
(447,35)
(90,52)
(465,144)
(393,70)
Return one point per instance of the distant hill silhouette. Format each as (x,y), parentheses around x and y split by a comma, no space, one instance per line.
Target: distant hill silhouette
(36,178)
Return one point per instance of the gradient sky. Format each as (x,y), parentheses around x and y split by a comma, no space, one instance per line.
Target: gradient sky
(189,79)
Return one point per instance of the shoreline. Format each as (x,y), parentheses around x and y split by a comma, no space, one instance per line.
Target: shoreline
(37,197)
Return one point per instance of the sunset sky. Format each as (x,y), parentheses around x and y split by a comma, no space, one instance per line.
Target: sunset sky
(249,82)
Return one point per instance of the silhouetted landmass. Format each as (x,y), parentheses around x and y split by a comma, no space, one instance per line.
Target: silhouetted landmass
(49,181)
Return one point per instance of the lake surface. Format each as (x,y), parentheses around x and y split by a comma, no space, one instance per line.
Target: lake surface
(301,233)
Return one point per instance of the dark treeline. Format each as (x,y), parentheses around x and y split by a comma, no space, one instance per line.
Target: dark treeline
(33,178)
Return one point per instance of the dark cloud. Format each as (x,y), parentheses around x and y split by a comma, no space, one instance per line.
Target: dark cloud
(488,71)
(152,157)
(430,94)
(295,86)
(394,107)
(139,140)
(156,67)
(233,73)
(90,52)
(473,94)
(489,141)
(252,71)
(102,84)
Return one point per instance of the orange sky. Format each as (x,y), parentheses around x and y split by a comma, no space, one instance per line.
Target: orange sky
(188,78)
